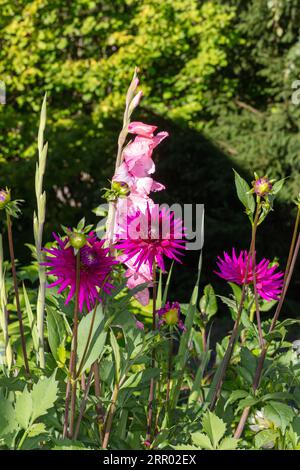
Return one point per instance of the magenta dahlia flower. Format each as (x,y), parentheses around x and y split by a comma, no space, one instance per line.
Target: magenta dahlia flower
(95,269)
(233,269)
(151,236)
(170,315)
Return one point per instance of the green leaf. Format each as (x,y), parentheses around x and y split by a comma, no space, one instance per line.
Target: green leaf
(265,438)
(279,413)
(36,429)
(8,422)
(208,302)
(228,443)
(56,331)
(43,395)
(97,339)
(214,427)
(242,189)
(116,351)
(236,395)
(23,408)
(201,440)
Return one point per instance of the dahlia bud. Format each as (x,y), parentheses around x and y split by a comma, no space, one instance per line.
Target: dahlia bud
(262,186)
(4,198)
(171,317)
(77,240)
(121,189)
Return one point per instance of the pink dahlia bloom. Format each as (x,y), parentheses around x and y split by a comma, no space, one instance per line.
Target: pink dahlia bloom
(233,269)
(95,269)
(170,315)
(151,236)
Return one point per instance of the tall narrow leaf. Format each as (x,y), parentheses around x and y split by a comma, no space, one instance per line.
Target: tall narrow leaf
(38,227)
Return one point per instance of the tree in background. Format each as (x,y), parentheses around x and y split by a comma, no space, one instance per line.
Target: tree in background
(218,75)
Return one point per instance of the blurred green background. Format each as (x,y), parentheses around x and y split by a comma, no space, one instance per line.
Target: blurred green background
(217,75)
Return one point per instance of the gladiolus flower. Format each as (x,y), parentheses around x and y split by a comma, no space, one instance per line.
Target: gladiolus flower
(268,281)
(141,129)
(152,236)
(95,269)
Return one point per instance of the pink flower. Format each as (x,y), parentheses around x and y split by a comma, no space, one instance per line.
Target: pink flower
(141,129)
(152,236)
(139,325)
(95,269)
(136,278)
(138,153)
(233,269)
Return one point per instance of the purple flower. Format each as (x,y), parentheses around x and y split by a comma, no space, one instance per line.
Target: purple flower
(95,269)
(151,236)
(262,186)
(4,198)
(170,315)
(233,269)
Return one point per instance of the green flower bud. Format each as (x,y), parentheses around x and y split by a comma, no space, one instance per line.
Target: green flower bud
(4,198)
(120,188)
(77,240)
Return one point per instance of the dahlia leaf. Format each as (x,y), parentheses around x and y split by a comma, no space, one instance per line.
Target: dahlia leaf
(243,192)
(56,331)
(97,338)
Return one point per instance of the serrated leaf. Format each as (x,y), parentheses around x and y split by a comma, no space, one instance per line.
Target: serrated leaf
(228,443)
(214,427)
(44,395)
(8,422)
(23,408)
(36,429)
(202,441)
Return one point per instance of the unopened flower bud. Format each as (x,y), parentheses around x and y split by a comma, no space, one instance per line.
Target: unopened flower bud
(77,240)
(120,188)
(262,186)
(4,198)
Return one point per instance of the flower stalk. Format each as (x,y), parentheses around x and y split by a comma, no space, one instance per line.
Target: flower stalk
(4,313)
(152,381)
(16,289)
(293,254)
(38,227)
(226,360)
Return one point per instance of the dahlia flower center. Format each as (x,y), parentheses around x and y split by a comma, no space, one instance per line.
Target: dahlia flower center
(171,316)
(88,258)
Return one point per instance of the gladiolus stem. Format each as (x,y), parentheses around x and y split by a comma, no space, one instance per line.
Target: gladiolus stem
(16,289)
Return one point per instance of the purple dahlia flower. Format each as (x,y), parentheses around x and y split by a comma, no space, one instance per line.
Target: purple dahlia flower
(233,269)
(95,269)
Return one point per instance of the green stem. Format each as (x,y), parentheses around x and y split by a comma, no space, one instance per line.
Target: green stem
(16,289)
(293,254)
(71,383)
(74,349)
(226,360)
(152,381)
